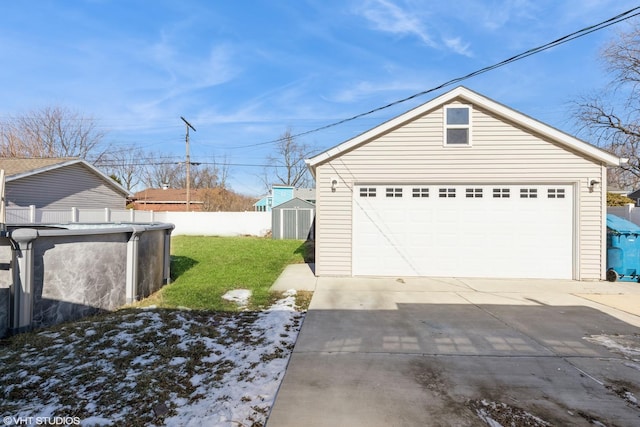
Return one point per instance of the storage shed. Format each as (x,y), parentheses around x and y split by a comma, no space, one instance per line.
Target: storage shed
(462,186)
(293,220)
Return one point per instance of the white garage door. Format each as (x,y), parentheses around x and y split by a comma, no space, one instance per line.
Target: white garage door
(514,231)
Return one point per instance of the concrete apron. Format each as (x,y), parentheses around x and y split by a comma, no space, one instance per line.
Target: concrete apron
(404,352)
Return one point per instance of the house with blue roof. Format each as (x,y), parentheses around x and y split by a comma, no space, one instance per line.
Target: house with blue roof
(280,194)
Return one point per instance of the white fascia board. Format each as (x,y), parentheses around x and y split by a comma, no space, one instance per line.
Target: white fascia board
(477,99)
(544,129)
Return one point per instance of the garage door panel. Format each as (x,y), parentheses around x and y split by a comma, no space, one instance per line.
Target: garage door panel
(463,236)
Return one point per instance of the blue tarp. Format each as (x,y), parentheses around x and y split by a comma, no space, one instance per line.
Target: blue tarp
(621,225)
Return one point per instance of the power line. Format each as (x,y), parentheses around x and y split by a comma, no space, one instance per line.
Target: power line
(108,163)
(564,39)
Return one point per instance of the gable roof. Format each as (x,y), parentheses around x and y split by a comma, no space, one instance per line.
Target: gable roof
(17,168)
(26,166)
(464,94)
(633,195)
(263,201)
(295,203)
(305,193)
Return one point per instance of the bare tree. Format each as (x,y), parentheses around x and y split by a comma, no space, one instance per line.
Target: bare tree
(173,173)
(163,172)
(223,172)
(611,117)
(287,166)
(51,132)
(126,165)
(220,199)
(204,176)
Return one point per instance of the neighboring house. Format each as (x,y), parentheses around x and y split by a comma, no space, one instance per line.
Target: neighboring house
(293,219)
(280,194)
(263,205)
(462,186)
(283,193)
(216,199)
(635,196)
(168,200)
(59,183)
(307,194)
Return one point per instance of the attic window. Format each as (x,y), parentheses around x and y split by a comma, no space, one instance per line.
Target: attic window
(457,126)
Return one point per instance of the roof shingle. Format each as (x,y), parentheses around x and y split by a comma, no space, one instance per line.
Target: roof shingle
(15,166)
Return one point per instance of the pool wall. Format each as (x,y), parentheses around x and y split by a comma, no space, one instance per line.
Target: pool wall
(60,273)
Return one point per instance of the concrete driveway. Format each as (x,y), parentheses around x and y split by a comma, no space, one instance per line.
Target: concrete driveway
(431,352)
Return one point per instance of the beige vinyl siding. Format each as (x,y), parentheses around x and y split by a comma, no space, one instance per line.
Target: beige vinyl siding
(64,188)
(333,217)
(414,153)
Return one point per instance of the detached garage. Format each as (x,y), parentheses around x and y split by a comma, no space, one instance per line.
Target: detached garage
(462,186)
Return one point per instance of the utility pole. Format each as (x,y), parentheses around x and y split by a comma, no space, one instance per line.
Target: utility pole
(188,161)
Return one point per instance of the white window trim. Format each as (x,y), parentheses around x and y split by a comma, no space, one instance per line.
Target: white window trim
(445,126)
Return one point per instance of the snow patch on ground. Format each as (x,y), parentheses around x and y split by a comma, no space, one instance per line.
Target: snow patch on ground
(155,367)
(239,296)
(626,345)
(499,414)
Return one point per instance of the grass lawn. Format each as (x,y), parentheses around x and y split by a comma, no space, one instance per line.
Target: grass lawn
(205,268)
(167,366)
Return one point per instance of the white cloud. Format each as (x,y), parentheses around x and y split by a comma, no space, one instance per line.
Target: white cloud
(195,69)
(368,89)
(496,16)
(410,20)
(458,46)
(391,18)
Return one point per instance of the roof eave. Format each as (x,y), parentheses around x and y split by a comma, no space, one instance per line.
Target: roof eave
(106,178)
(474,98)
(42,169)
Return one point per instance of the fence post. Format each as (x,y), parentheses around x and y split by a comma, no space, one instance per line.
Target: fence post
(74,214)
(32,214)
(166,271)
(23,280)
(633,213)
(132,215)
(132,264)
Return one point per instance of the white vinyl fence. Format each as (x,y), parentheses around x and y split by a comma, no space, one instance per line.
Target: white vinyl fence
(218,223)
(628,212)
(187,223)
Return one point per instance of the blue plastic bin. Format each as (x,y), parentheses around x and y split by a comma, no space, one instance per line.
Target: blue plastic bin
(623,249)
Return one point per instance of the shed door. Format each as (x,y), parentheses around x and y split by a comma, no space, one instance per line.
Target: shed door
(510,231)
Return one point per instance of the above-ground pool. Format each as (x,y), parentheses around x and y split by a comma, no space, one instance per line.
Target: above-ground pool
(58,272)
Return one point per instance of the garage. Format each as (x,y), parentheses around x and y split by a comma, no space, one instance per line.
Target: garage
(521,231)
(462,186)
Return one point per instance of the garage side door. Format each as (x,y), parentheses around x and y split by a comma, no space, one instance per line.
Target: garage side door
(515,231)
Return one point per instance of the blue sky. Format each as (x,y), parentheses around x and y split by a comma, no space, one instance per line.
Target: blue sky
(243,72)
